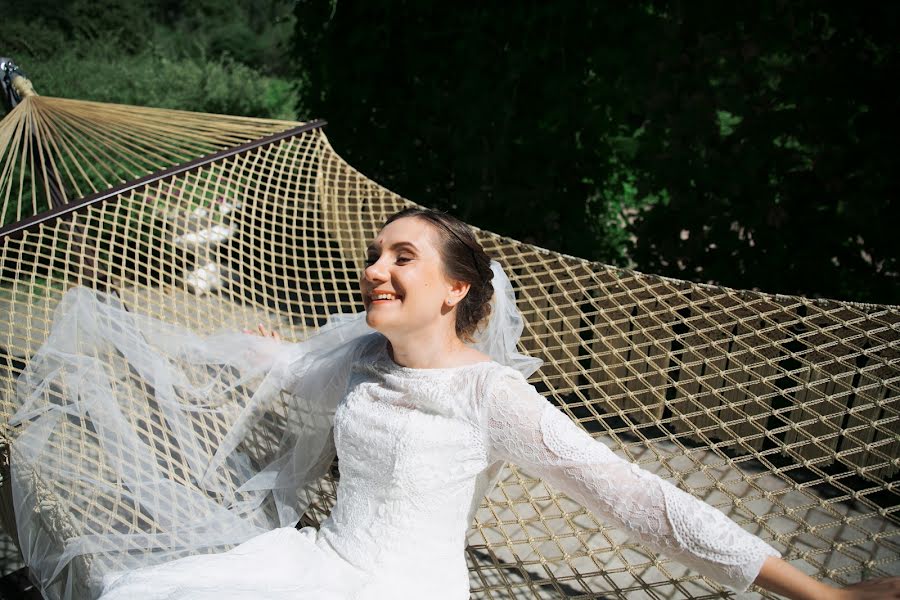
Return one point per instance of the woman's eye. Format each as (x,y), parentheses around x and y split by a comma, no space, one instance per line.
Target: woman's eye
(400,259)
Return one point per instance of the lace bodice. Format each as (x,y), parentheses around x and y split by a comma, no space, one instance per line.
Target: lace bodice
(412,444)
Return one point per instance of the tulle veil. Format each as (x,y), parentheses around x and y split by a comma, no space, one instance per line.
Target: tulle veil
(247,422)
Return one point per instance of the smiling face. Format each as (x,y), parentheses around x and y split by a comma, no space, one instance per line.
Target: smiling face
(403,286)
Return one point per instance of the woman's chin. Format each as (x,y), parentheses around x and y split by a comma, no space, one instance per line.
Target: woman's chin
(376,321)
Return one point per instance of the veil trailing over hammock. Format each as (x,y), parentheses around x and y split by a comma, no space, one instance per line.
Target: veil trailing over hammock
(232,483)
(229,487)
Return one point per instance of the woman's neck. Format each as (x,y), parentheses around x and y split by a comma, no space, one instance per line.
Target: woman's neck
(426,350)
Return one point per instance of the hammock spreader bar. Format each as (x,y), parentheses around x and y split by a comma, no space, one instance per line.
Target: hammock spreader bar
(15,230)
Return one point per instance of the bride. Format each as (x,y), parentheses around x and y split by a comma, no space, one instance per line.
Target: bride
(426,399)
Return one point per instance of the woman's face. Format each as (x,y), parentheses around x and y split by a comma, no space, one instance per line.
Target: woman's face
(403,285)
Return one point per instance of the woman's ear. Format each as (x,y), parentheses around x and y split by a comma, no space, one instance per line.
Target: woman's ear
(457,292)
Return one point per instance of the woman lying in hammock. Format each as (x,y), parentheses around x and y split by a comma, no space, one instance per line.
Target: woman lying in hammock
(424,410)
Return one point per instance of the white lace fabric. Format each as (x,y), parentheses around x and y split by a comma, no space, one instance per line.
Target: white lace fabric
(526,429)
(418,438)
(417,447)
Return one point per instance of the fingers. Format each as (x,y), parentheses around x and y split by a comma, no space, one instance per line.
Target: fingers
(263,332)
(875,589)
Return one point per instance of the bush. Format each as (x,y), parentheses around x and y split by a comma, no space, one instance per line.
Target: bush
(148,78)
(197,55)
(746,146)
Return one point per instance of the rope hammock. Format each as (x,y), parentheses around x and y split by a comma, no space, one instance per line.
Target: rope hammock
(781,411)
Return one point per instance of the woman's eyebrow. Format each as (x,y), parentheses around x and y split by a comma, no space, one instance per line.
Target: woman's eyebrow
(394,246)
(409,245)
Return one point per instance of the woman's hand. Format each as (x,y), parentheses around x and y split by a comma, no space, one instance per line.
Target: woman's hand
(884,588)
(263,332)
(262,355)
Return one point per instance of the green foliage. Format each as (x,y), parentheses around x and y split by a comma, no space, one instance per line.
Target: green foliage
(147,79)
(256,33)
(125,23)
(476,110)
(771,132)
(748,146)
(191,55)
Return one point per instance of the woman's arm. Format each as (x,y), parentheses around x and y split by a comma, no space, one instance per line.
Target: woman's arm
(526,429)
(782,578)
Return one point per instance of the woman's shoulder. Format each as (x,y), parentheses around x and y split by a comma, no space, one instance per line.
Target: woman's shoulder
(471,356)
(501,372)
(502,380)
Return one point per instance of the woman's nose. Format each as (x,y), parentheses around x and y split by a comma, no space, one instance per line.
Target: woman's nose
(375,272)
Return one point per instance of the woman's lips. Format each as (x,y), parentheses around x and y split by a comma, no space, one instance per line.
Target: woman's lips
(373,299)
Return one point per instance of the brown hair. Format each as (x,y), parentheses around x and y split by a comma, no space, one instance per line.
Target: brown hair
(463,260)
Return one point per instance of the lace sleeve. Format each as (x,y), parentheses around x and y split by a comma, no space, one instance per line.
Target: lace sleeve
(526,429)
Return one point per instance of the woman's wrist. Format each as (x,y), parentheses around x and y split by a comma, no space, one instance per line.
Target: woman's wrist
(784,579)
(827,592)
(816,590)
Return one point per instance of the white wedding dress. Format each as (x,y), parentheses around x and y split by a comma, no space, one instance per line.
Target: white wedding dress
(417,449)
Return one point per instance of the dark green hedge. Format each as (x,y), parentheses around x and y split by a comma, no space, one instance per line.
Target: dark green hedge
(747,144)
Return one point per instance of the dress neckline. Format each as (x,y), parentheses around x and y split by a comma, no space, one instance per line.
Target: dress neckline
(423,371)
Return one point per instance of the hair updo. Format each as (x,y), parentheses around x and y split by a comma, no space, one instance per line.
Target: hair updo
(463,260)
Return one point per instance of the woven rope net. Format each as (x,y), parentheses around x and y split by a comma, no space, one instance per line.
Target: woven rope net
(780,411)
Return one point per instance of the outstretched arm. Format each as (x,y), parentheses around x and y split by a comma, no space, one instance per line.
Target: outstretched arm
(526,429)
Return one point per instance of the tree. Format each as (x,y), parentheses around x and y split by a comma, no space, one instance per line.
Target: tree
(747,146)
(768,132)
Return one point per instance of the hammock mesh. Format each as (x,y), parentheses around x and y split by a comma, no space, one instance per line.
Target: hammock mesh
(780,411)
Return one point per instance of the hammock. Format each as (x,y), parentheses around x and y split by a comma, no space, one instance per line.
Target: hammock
(781,411)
